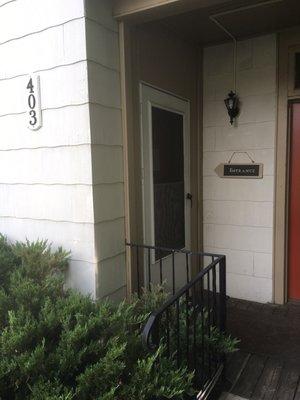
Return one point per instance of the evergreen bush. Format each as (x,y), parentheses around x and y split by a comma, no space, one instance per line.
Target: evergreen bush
(57,344)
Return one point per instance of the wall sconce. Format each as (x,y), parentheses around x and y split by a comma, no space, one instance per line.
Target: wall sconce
(232,105)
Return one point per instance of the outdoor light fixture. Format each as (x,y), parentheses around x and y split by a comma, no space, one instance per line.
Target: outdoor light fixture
(232,100)
(232,105)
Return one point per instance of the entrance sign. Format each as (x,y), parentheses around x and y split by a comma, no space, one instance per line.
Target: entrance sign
(33,102)
(250,171)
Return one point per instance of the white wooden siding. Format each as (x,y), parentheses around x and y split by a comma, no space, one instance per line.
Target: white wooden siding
(55,46)
(107,151)
(66,126)
(30,17)
(101,12)
(72,236)
(65,181)
(46,187)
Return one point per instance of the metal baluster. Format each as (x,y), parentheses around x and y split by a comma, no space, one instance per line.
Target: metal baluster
(187,323)
(223,310)
(138,270)
(208,321)
(160,268)
(202,330)
(178,332)
(168,330)
(222,278)
(214,290)
(187,268)
(214,294)
(195,361)
(149,269)
(173,271)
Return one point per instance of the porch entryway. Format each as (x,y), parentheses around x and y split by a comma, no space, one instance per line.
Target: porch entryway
(267,367)
(201,56)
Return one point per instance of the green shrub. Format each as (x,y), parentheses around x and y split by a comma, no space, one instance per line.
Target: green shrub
(8,261)
(57,344)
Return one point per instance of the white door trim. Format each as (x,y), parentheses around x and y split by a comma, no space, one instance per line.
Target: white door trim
(150,96)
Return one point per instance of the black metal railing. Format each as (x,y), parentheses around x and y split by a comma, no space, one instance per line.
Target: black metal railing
(192,321)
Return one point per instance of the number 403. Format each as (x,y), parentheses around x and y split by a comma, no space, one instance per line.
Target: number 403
(33,105)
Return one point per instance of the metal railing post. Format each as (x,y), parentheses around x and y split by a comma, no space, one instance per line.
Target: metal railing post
(223,311)
(222,305)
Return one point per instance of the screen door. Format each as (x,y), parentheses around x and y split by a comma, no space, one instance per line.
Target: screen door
(165,171)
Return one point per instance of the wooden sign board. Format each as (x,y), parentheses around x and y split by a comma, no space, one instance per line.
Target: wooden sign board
(248,171)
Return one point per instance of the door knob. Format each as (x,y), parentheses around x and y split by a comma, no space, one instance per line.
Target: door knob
(189,196)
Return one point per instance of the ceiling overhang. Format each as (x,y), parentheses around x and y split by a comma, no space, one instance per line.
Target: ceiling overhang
(139,11)
(191,19)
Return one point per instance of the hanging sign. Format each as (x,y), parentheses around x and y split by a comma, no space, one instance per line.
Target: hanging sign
(254,171)
(240,170)
(33,102)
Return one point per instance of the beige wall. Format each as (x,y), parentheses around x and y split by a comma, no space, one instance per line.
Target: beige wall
(64,182)
(106,147)
(171,64)
(46,176)
(238,213)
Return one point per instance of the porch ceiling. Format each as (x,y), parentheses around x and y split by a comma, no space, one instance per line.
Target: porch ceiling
(197,27)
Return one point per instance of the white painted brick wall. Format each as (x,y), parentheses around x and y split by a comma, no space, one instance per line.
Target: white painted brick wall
(238,213)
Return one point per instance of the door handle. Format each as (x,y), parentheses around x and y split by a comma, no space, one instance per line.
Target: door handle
(189,196)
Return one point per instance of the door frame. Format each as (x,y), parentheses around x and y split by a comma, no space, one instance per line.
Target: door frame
(286,40)
(152,96)
(290,116)
(131,76)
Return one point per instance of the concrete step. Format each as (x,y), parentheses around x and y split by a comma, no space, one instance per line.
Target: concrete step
(229,396)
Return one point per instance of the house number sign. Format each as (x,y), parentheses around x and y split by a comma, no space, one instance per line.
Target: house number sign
(33,103)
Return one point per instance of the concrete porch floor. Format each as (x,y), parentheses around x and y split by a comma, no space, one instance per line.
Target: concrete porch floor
(266,329)
(268,363)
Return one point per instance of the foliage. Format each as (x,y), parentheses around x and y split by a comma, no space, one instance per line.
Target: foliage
(218,342)
(58,344)
(7,261)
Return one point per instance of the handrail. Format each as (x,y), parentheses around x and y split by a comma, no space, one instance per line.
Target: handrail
(167,249)
(155,314)
(192,319)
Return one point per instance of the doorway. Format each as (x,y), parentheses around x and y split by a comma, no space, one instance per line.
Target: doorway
(167,201)
(294,203)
